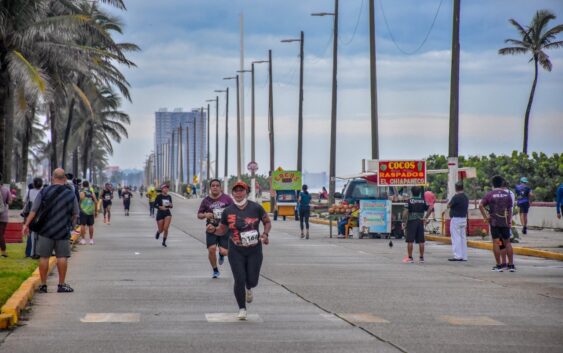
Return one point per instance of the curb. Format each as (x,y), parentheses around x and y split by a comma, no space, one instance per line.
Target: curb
(519,250)
(11,311)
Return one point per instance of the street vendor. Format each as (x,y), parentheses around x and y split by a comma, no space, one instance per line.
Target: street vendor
(350,218)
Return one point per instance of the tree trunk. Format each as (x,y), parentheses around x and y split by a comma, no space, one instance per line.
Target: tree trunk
(75,162)
(4,100)
(9,134)
(529,108)
(67,131)
(28,135)
(86,150)
(54,137)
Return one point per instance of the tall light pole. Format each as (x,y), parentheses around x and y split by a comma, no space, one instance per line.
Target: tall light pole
(332,171)
(239,159)
(373,84)
(271,124)
(226,181)
(188,154)
(180,157)
(300,124)
(216,100)
(454,105)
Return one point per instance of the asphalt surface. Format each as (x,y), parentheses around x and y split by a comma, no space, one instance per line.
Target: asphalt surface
(318,295)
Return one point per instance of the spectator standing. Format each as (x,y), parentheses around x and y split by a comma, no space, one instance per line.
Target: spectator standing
(496,208)
(29,199)
(59,208)
(5,201)
(559,200)
(524,195)
(415,217)
(304,206)
(458,206)
(88,208)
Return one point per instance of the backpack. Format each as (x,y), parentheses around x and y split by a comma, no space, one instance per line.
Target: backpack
(42,214)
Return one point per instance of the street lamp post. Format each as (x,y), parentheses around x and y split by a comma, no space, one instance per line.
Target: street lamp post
(373,84)
(226,181)
(239,159)
(300,125)
(271,124)
(216,100)
(332,171)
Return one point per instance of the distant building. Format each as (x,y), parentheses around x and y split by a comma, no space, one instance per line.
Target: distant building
(167,144)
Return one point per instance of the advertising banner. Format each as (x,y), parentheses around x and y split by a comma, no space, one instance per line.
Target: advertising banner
(286,180)
(375,216)
(402,173)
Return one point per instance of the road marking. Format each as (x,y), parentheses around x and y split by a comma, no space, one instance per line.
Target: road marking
(230,317)
(363,318)
(111,317)
(363,252)
(470,320)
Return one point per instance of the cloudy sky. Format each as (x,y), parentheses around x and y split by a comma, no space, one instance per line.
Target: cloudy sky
(188,46)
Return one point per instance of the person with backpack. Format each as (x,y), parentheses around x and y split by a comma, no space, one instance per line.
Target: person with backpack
(304,207)
(88,203)
(56,209)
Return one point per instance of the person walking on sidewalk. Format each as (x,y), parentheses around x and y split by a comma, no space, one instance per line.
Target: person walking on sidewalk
(499,217)
(88,204)
(32,193)
(524,195)
(304,205)
(245,242)
(126,195)
(458,206)
(163,204)
(211,209)
(107,196)
(57,206)
(559,200)
(415,217)
(5,201)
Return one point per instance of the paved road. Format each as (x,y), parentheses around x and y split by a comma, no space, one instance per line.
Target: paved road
(320,295)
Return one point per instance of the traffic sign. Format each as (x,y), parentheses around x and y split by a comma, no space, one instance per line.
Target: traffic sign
(252,166)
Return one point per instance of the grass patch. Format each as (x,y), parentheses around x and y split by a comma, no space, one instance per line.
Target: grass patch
(14,269)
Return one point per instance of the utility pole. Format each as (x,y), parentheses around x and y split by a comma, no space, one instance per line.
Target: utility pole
(373,84)
(181,164)
(188,153)
(271,125)
(239,160)
(300,123)
(332,169)
(454,105)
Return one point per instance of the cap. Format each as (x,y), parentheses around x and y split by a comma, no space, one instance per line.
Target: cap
(524,180)
(242,184)
(164,186)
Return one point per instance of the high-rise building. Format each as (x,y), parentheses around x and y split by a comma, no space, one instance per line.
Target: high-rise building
(190,148)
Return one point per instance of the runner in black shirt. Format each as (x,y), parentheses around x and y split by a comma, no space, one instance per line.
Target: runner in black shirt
(163,204)
(126,195)
(245,242)
(107,196)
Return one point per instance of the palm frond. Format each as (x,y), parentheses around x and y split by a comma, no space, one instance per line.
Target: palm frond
(25,74)
(523,32)
(512,51)
(554,45)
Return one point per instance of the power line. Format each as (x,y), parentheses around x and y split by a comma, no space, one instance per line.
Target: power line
(360,11)
(393,38)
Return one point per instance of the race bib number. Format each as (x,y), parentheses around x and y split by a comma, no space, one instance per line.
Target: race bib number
(126,196)
(107,197)
(217,213)
(165,202)
(249,238)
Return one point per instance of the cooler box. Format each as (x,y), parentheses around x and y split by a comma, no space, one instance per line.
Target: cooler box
(475,227)
(13,232)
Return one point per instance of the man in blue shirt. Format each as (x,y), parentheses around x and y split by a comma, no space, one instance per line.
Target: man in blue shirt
(523,197)
(559,200)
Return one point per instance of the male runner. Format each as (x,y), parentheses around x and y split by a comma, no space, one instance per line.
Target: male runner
(211,209)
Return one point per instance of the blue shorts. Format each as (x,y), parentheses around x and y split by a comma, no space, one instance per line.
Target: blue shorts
(524,207)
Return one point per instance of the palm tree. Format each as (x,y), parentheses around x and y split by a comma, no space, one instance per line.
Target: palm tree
(536,38)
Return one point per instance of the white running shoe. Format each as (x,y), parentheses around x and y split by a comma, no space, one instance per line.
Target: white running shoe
(82,241)
(242,314)
(249,296)
(91,241)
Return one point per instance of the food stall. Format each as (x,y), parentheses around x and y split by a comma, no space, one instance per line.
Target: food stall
(286,185)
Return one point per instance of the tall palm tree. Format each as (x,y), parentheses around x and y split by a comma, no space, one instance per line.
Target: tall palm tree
(536,38)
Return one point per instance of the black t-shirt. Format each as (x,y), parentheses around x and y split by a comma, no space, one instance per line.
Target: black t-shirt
(459,205)
(416,206)
(163,200)
(245,223)
(107,195)
(126,196)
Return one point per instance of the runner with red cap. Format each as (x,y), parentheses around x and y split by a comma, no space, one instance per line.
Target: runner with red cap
(242,220)
(163,204)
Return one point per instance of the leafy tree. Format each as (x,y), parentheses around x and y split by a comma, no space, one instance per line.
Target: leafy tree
(536,38)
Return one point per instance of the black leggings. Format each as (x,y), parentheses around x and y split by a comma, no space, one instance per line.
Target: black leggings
(245,264)
(304,216)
